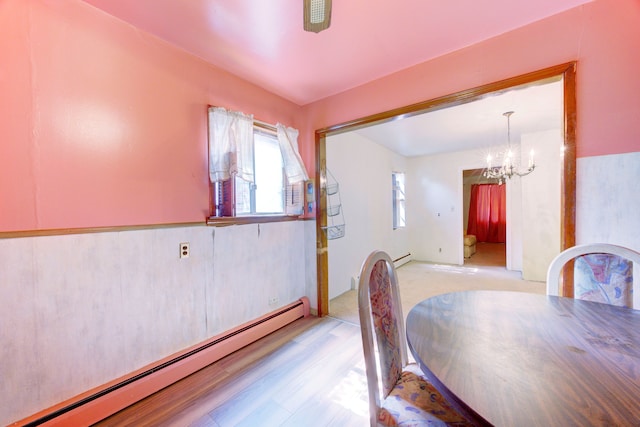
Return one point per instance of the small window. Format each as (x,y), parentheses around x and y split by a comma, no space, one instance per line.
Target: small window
(264,197)
(397,185)
(255,169)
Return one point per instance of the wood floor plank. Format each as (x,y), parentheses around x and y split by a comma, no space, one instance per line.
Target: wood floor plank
(205,421)
(268,375)
(319,413)
(267,414)
(281,379)
(324,373)
(275,374)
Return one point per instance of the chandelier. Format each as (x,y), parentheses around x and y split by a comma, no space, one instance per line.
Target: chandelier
(508,167)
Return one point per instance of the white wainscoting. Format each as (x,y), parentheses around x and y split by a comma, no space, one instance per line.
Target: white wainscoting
(83,309)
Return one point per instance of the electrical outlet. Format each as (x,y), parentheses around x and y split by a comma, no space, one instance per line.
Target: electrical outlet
(273,300)
(184,250)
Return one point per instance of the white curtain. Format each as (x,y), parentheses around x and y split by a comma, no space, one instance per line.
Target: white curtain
(219,144)
(242,129)
(230,145)
(293,166)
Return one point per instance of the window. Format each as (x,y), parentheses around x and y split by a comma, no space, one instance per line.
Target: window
(255,168)
(397,194)
(266,195)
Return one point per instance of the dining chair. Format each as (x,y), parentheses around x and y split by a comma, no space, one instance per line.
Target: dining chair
(602,272)
(399,394)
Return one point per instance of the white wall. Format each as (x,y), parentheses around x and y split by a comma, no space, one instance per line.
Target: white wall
(608,201)
(541,204)
(435,204)
(514,225)
(607,205)
(83,309)
(363,170)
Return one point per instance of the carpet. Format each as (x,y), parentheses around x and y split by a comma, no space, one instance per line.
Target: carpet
(421,280)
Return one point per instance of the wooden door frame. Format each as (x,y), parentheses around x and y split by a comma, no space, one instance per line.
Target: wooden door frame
(568,167)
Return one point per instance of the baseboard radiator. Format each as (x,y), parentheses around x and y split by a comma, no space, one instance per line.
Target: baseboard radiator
(402,260)
(101,402)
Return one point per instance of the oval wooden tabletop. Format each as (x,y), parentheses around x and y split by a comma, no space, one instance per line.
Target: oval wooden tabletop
(521,359)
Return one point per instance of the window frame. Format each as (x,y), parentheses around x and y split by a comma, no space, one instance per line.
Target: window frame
(398,201)
(253,218)
(253,197)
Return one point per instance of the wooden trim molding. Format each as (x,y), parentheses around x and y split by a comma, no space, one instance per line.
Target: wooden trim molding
(239,220)
(568,204)
(322,248)
(88,230)
(212,221)
(568,177)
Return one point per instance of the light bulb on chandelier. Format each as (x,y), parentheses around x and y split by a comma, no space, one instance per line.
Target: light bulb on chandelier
(507,168)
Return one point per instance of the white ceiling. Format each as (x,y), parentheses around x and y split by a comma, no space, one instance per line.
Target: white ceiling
(477,124)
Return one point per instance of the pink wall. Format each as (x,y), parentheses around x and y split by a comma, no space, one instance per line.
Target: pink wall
(16,176)
(603,36)
(103,125)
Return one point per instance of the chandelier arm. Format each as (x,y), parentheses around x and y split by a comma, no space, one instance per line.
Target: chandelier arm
(508,169)
(527,172)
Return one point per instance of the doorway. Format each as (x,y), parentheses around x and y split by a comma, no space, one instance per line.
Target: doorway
(483,248)
(567,163)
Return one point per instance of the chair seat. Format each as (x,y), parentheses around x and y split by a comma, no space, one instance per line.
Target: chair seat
(414,401)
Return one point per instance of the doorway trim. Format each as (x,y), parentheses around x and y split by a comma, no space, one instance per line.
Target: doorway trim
(568,166)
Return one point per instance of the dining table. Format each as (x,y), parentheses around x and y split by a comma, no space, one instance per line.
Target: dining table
(519,359)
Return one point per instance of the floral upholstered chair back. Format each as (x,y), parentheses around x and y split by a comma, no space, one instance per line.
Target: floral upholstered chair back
(381,320)
(602,273)
(385,324)
(399,394)
(604,278)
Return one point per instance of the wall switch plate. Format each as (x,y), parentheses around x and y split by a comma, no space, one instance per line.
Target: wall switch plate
(184,250)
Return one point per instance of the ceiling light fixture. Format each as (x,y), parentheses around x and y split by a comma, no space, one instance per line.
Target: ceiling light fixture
(508,168)
(317,15)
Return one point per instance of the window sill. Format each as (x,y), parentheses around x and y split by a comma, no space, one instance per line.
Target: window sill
(239,220)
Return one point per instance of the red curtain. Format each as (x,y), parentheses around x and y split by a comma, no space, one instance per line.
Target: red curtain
(488,213)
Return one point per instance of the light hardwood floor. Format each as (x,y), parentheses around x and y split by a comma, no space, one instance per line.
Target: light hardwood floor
(309,373)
